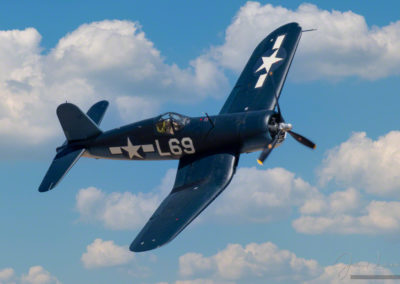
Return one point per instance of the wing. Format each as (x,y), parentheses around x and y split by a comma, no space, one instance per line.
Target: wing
(198,182)
(263,77)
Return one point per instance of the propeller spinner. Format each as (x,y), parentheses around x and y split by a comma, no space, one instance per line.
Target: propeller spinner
(281,128)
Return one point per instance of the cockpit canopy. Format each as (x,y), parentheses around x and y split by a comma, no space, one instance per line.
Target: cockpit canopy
(171,122)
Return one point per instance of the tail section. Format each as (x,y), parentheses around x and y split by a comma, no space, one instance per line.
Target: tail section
(76,126)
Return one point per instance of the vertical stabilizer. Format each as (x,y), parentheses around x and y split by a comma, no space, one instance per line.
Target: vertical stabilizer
(76,125)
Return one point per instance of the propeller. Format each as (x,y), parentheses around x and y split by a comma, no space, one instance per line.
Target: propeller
(267,150)
(303,140)
(282,128)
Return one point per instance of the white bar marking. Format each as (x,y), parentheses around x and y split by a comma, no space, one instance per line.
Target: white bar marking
(148,148)
(261,80)
(278,42)
(115,150)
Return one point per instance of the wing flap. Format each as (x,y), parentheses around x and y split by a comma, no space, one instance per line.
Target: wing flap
(198,182)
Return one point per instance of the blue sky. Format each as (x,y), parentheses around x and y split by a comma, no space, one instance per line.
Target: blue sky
(299,218)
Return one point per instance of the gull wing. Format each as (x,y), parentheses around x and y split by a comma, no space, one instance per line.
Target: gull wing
(199,180)
(263,77)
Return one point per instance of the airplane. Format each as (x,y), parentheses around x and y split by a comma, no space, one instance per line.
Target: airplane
(207,147)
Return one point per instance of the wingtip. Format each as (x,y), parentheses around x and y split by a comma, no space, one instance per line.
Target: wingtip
(142,246)
(44,187)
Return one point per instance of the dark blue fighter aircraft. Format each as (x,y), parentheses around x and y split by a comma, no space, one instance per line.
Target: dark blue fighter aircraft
(208,148)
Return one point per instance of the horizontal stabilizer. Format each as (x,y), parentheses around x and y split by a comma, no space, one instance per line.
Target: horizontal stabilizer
(76,124)
(61,164)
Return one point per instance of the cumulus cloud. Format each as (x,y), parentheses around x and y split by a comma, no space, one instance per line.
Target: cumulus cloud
(136,108)
(111,60)
(257,196)
(336,203)
(272,194)
(340,273)
(262,195)
(269,195)
(344,45)
(6,274)
(116,210)
(364,163)
(262,261)
(120,211)
(203,281)
(105,253)
(38,275)
(266,262)
(361,164)
(378,217)
(116,57)
(115,60)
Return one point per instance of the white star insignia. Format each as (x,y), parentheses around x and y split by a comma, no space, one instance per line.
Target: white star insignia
(267,63)
(132,149)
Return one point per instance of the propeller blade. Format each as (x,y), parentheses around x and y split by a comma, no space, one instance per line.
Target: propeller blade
(303,140)
(267,150)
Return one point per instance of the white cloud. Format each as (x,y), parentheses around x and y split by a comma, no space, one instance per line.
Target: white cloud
(266,262)
(336,203)
(120,211)
(116,210)
(203,281)
(366,164)
(359,162)
(262,195)
(38,275)
(101,60)
(272,194)
(380,217)
(20,76)
(340,273)
(235,262)
(116,57)
(115,60)
(258,196)
(105,253)
(6,274)
(342,46)
(136,108)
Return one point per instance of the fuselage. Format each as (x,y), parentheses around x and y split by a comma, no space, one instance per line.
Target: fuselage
(172,136)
